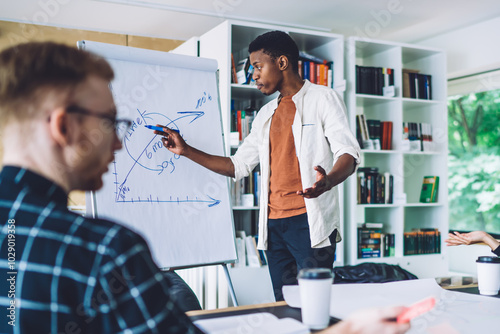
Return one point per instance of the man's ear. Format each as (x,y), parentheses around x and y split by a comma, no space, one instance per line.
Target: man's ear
(58,126)
(283,63)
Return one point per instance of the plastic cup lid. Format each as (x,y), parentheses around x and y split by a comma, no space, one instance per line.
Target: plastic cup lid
(488,259)
(315,273)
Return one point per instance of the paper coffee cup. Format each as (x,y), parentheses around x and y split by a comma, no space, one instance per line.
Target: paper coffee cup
(488,275)
(315,286)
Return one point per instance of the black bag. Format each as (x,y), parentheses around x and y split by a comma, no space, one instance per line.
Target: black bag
(371,273)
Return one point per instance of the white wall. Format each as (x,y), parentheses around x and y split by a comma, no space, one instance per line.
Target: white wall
(462,259)
(471,49)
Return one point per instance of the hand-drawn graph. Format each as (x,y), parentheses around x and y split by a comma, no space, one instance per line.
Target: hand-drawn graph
(142,154)
(148,154)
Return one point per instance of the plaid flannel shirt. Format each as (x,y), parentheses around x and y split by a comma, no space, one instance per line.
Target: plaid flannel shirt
(63,273)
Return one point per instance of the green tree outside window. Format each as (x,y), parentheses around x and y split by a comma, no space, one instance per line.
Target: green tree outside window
(474,161)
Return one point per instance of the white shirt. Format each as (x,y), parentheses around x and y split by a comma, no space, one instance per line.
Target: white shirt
(321,134)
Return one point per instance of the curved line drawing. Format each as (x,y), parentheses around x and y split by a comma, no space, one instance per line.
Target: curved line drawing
(171,124)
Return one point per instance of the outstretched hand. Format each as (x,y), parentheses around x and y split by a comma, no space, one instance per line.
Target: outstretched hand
(172,140)
(321,185)
(456,238)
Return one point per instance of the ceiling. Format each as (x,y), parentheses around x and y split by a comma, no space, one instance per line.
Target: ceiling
(395,20)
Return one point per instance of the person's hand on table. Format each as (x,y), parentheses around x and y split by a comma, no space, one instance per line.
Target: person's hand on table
(371,321)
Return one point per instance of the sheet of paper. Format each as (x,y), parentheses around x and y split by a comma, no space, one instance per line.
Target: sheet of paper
(254,323)
(462,312)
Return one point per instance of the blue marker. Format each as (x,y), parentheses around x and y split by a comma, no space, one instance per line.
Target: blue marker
(157,128)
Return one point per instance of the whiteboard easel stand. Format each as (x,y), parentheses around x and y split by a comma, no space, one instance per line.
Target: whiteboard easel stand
(122,58)
(230,283)
(226,272)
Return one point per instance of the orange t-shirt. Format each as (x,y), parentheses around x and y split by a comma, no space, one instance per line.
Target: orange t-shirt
(285,178)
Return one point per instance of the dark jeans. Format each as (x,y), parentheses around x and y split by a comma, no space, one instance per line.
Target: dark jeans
(289,250)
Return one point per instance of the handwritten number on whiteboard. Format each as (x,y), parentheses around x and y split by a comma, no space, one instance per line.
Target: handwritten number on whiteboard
(202,100)
(164,165)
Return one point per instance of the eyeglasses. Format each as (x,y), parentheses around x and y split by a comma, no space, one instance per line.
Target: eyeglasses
(121,126)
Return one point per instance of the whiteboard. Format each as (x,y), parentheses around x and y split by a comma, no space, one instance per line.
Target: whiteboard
(182,209)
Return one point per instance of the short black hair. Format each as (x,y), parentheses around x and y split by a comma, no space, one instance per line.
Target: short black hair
(276,44)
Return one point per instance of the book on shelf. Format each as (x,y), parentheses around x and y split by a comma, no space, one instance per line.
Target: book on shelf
(256,186)
(372,225)
(234,78)
(417,85)
(417,137)
(316,70)
(245,188)
(241,71)
(312,72)
(372,80)
(248,254)
(373,242)
(386,135)
(426,137)
(249,78)
(262,253)
(364,140)
(253,256)
(242,120)
(387,244)
(406,81)
(236,193)
(373,133)
(389,188)
(374,187)
(359,134)
(368,242)
(241,249)
(430,189)
(422,241)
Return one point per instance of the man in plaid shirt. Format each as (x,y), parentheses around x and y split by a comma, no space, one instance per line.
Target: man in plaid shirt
(60,272)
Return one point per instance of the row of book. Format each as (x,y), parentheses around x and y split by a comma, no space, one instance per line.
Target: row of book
(315,69)
(373,80)
(241,122)
(246,191)
(374,187)
(417,137)
(422,241)
(380,81)
(248,254)
(373,242)
(416,85)
(373,134)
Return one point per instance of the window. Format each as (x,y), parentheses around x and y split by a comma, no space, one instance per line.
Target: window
(474,152)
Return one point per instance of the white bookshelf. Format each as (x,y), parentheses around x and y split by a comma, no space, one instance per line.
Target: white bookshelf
(408,168)
(233,37)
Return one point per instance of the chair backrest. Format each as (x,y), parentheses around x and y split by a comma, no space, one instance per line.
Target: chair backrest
(182,293)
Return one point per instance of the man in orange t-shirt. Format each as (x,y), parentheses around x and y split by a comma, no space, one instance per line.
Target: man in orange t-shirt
(305,149)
